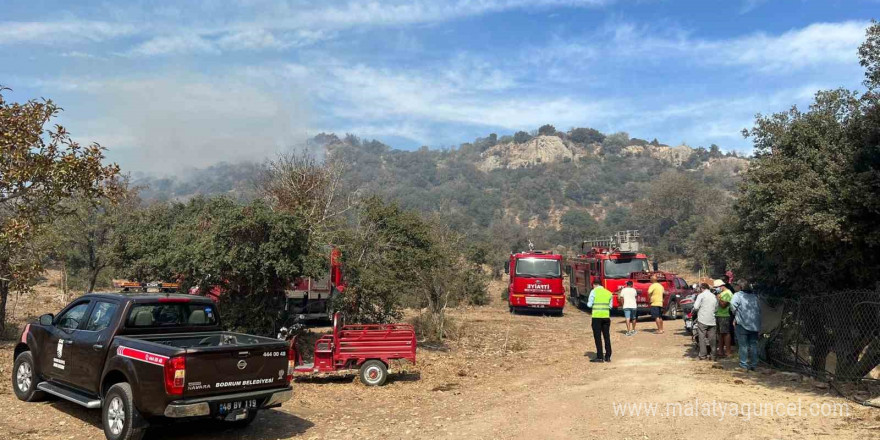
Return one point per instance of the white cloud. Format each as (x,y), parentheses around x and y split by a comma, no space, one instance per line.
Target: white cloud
(238,40)
(207,27)
(816,44)
(78,54)
(424,11)
(62,32)
(430,98)
(175,44)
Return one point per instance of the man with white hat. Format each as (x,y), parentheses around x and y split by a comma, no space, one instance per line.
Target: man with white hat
(722,317)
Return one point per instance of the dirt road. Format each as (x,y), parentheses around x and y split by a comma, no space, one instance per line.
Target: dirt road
(516,377)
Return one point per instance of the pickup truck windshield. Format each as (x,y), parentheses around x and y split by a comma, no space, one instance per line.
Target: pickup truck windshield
(623,267)
(171,315)
(538,268)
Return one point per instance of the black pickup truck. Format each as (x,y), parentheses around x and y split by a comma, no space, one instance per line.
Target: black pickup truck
(150,358)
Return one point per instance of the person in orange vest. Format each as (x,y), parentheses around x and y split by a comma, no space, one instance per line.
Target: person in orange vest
(600,303)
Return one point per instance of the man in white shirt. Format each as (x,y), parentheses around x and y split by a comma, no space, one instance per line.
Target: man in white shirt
(627,296)
(705,306)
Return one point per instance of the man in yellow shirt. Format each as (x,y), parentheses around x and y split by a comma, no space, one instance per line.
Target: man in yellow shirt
(656,292)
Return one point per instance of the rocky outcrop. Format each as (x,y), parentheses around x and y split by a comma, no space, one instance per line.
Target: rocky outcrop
(541,149)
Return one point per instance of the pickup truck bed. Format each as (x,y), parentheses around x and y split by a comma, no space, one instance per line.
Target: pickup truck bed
(165,354)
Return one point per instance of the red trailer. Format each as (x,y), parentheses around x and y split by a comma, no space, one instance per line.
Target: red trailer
(370,348)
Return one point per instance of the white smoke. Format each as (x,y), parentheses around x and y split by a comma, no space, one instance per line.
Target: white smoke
(180,121)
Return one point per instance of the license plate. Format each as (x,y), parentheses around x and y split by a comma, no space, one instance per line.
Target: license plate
(537,300)
(688,323)
(242,404)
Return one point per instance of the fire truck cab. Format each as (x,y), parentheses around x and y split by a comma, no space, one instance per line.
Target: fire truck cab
(535,282)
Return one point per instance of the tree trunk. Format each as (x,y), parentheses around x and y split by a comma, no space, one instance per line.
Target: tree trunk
(4,295)
(93,279)
(64,291)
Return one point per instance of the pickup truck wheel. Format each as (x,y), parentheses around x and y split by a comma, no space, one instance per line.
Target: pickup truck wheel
(672,310)
(119,413)
(373,373)
(24,378)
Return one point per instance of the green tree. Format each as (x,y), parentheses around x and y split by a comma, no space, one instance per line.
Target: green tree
(675,205)
(521,137)
(395,258)
(808,210)
(250,251)
(39,167)
(546,130)
(313,191)
(382,254)
(586,135)
(576,226)
(614,143)
(83,238)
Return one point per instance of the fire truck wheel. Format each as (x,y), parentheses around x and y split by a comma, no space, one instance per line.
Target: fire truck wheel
(373,373)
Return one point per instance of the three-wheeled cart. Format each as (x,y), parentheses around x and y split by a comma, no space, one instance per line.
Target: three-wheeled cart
(370,348)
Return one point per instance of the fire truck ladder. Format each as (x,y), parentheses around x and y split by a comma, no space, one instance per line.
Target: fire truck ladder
(624,241)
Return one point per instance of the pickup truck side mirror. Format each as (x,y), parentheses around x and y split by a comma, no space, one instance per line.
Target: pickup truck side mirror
(46,319)
(507,267)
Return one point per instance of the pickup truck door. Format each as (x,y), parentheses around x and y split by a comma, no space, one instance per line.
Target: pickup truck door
(55,356)
(90,345)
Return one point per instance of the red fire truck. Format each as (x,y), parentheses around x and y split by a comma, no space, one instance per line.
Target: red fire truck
(535,282)
(614,261)
(310,298)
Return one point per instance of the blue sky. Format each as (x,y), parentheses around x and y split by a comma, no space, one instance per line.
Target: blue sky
(168,84)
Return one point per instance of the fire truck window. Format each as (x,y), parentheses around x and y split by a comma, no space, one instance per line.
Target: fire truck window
(538,267)
(622,268)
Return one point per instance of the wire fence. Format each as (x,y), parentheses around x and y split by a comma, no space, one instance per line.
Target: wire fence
(833,338)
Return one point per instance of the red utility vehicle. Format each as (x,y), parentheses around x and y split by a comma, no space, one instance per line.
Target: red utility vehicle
(307,299)
(614,261)
(310,298)
(367,347)
(535,282)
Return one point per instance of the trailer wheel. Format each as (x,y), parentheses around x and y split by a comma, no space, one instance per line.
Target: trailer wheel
(373,373)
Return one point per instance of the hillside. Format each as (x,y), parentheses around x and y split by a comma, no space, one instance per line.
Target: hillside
(552,189)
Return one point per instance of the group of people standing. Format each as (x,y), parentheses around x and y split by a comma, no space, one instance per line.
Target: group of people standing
(601,302)
(718,311)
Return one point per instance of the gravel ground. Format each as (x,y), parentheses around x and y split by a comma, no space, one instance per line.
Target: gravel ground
(507,376)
